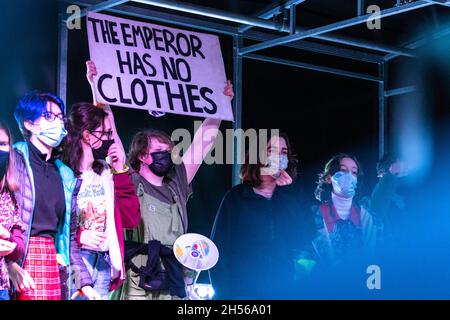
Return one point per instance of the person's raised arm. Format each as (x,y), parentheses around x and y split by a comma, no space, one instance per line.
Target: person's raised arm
(91,73)
(204,140)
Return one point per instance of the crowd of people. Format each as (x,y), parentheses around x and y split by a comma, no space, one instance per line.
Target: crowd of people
(73,202)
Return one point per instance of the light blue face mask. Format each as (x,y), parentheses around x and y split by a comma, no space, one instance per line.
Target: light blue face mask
(52,133)
(278,163)
(344,184)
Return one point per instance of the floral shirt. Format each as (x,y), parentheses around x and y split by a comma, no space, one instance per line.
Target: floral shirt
(9,219)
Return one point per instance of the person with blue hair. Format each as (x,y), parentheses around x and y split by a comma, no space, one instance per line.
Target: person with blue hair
(44,196)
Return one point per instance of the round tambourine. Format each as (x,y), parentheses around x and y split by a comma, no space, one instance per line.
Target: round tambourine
(196,252)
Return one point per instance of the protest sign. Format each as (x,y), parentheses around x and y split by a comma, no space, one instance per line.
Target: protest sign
(152,67)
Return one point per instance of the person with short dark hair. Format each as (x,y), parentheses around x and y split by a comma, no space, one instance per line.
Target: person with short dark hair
(164,188)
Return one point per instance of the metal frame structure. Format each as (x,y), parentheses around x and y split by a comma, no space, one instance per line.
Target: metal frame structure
(296,38)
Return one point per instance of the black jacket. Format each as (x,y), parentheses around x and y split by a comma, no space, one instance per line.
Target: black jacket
(258,241)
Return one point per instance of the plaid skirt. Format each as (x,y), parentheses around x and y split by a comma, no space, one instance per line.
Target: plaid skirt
(41,264)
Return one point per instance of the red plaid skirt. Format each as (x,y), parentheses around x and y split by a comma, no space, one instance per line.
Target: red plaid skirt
(41,264)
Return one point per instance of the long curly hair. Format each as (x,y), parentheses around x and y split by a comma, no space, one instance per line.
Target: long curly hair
(324,187)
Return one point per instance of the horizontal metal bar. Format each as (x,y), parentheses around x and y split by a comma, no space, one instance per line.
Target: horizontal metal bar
(334,26)
(318,48)
(102,6)
(268,13)
(163,17)
(399,91)
(212,13)
(445,3)
(308,66)
(367,45)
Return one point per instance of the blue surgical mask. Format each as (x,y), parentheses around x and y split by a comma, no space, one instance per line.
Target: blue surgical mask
(52,133)
(344,184)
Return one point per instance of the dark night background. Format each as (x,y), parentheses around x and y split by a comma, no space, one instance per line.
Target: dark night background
(322,113)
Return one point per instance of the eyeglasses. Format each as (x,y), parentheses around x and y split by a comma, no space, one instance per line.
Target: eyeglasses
(50,116)
(108,134)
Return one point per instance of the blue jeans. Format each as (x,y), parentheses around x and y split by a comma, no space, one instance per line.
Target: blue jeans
(99,267)
(4,295)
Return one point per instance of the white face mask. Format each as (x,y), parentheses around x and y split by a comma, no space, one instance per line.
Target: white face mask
(344,184)
(275,164)
(52,133)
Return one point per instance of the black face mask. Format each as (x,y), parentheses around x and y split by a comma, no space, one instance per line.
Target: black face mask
(4,157)
(102,152)
(162,163)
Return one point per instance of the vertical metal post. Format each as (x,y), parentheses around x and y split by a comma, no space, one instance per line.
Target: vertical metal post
(360,7)
(382,101)
(62,53)
(292,19)
(237,84)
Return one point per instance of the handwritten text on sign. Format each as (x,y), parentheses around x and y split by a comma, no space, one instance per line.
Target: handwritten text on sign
(151,67)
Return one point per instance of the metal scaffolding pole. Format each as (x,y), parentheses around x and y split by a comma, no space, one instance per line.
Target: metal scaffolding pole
(383,74)
(237,84)
(271,11)
(292,19)
(445,3)
(366,45)
(62,55)
(399,91)
(102,6)
(319,48)
(163,17)
(211,13)
(334,26)
(313,67)
(360,10)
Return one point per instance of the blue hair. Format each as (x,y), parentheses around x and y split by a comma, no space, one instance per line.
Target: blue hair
(31,107)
